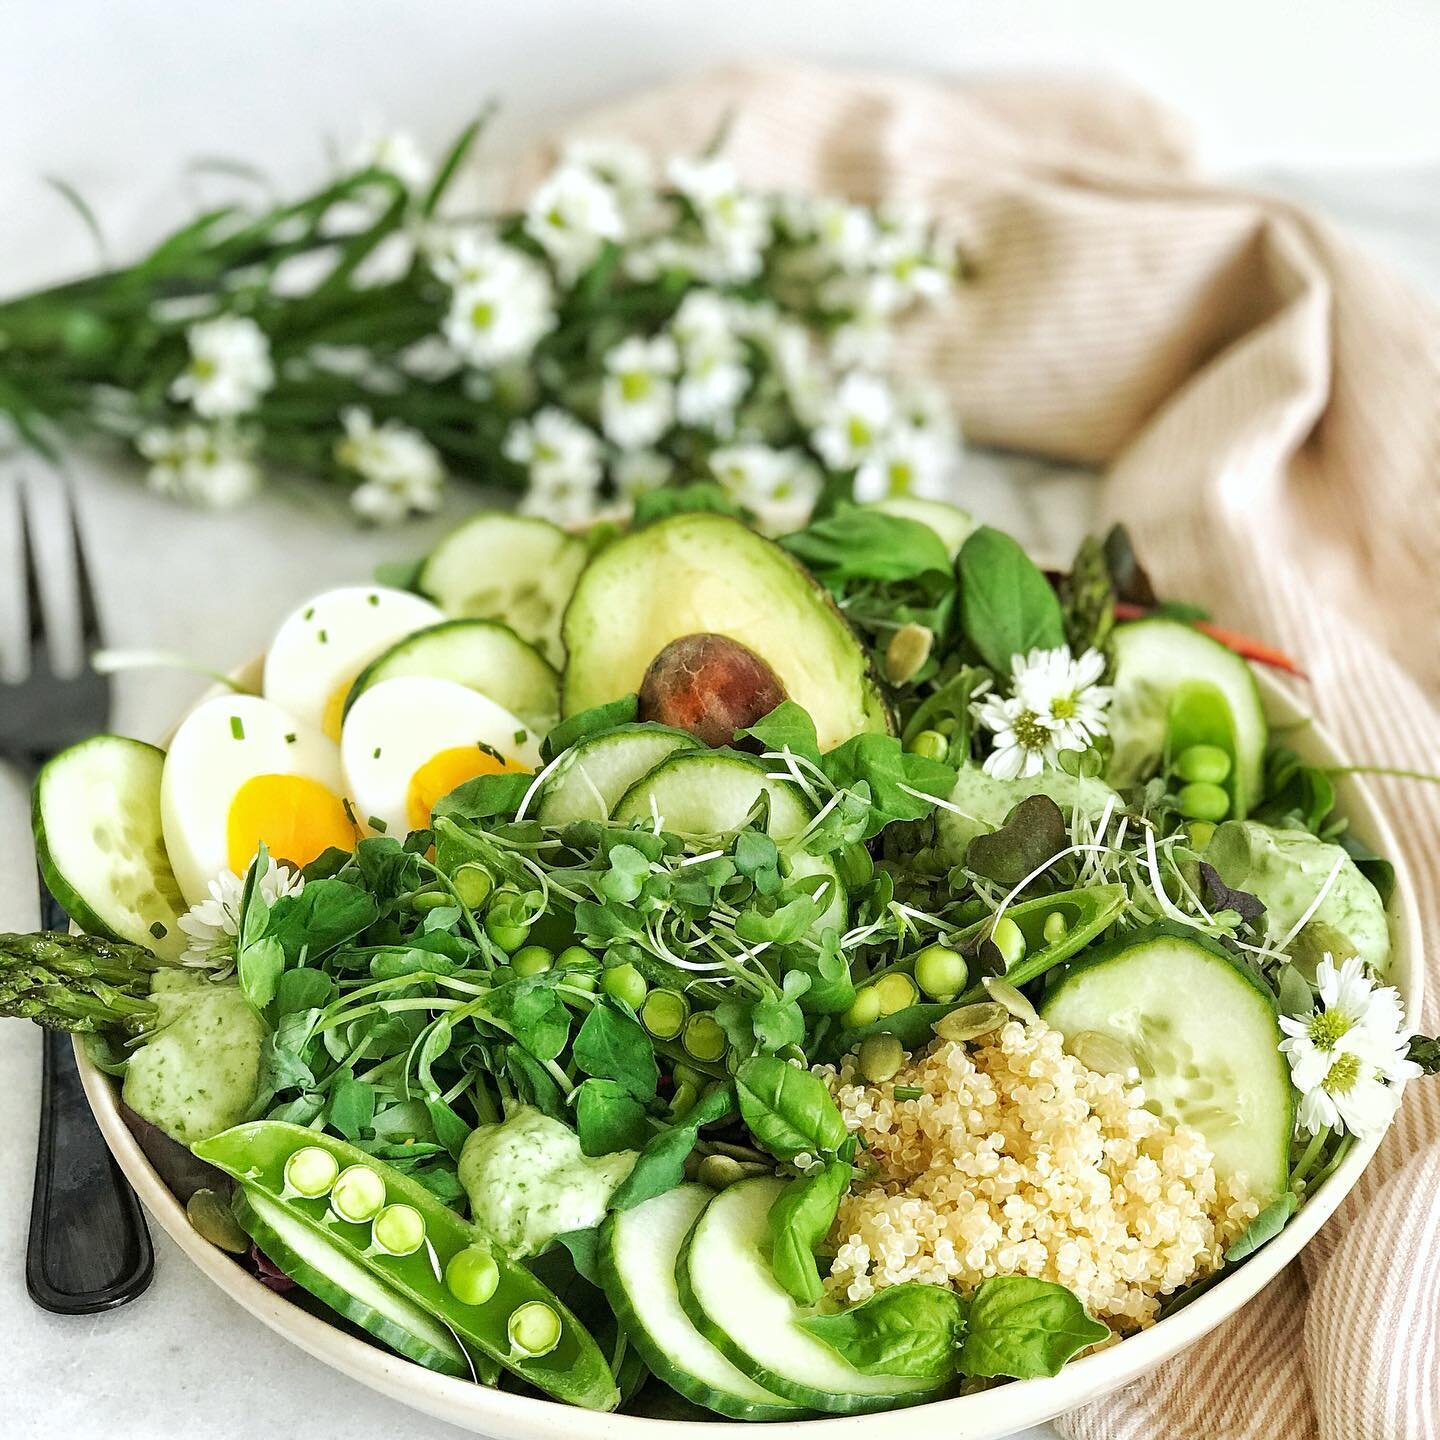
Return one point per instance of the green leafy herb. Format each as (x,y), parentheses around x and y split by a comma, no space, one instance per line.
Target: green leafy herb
(661,1165)
(1263,1228)
(595,721)
(910,1329)
(789,1111)
(1025,1328)
(853,543)
(1006,604)
(1033,833)
(613,1045)
(799,1220)
(609,1118)
(682,500)
(1424,1050)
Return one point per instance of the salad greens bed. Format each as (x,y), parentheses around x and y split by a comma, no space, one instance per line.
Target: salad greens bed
(526,1092)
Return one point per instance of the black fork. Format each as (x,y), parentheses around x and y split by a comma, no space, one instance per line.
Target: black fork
(89,1249)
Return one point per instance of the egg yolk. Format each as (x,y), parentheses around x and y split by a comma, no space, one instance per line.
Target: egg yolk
(441,773)
(297,818)
(334,716)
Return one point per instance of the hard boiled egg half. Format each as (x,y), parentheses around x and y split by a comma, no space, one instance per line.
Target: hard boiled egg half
(408,741)
(320,650)
(241,772)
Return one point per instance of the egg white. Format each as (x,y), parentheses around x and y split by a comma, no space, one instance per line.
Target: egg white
(220,745)
(397,726)
(324,645)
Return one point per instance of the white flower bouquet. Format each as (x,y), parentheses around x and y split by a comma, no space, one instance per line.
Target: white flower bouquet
(623,331)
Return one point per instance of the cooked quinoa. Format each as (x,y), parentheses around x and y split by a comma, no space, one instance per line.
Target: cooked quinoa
(1017,1160)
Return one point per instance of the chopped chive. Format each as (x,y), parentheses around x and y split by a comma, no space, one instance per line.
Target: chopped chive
(373,599)
(291,738)
(490,750)
(376,823)
(323,637)
(521,736)
(908,1092)
(376,754)
(237,727)
(158,930)
(350,813)
(309,614)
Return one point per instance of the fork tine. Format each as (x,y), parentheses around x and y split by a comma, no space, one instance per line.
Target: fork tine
(34,600)
(90,633)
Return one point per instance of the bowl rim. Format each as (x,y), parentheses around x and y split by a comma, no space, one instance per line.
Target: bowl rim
(1011,1406)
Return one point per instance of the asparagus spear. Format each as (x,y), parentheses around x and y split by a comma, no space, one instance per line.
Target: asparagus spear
(80,983)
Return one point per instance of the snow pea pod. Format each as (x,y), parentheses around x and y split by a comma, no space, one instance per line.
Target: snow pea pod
(573,1369)
(1199,730)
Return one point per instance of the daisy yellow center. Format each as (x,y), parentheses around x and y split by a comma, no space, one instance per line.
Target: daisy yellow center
(1062,707)
(1326,1028)
(858,432)
(1343,1075)
(203,367)
(1030,731)
(482,315)
(634,385)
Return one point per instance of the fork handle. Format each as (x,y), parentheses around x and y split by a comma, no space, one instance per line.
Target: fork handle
(89,1248)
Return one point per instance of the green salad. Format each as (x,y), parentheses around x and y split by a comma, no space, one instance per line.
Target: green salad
(681,971)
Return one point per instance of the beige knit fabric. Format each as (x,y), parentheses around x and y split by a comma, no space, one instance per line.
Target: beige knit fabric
(1265,403)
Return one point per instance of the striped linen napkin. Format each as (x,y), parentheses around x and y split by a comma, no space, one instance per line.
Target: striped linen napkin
(1265,404)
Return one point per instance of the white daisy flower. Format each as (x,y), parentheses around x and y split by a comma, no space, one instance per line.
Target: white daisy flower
(571,215)
(1025,741)
(1355,1017)
(637,398)
(401,469)
(431,360)
(758,476)
(202,464)
(855,420)
(1350,1095)
(843,234)
(865,342)
(398,153)
(715,376)
(212,925)
(640,471)
(229,367)
(564,462)
(1065,691)
(907,461)
(628,171)
(910,265)
(502,305)
(735,221)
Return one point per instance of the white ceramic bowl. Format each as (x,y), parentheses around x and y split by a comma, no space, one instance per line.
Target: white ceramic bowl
(986,1416)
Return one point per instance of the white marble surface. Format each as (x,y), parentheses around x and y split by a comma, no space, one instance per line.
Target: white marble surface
(183,1359)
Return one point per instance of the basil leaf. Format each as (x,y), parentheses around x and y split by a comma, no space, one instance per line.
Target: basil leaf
(661,1165)
(910,1329)
(788,1110)
(612,1045)
(1264,1227)
(1006,604)
(799,1220)
(609,1118)
(858,544)
(1025,1328)
(787,726)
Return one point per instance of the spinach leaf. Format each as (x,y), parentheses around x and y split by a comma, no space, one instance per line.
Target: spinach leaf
(258,966)
(1033,832)
(325,914)
(594,721)
(1006,604)
(1264,1227)
(486,797)
(1025,1328)
(661,1165)
(853,543)
(613,1045)
(532,1012)
(910,1329)
(788,725)
(609,1118)
(799,1220)
(789,1111)
(302,989)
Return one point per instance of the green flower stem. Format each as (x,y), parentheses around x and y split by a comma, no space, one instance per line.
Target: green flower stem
(1310,1155)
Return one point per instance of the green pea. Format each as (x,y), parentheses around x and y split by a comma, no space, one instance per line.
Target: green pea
(398,1230)
(1203,764)
(941,972)
(624,982)
(1056,928)
(929,743)
(358,1194)
(896,991)
(1202,801)
(532,960)
(503,919)
(425,901)
(879,1058)
(534,1328)
(664,1013)
(311,1172)
(581,964)
(865,1010)
(703,1039)
(472,1276)
(473,885)
(1009,940)
(682,1100)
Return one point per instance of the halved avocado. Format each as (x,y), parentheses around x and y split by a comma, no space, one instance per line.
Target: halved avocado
(704,573)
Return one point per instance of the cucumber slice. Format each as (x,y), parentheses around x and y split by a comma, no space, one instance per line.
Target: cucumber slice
(514,568)
(703,573)
(637,1255)
(1205,1035)
(731,1297)
(347,1288)
(952,524)
(595,773)
(711,794)
(100,844)
(1154,659)
(482,655)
